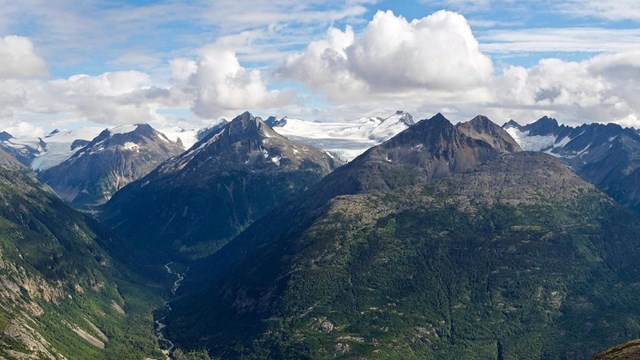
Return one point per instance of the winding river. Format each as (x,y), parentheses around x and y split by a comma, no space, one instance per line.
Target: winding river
(166,345)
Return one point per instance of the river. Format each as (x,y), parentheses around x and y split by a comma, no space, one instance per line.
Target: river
(166,345)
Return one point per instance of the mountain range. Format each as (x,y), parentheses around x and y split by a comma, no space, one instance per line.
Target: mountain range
(107,163)
(192,204)
(445,242)
(607,156)
(437,241)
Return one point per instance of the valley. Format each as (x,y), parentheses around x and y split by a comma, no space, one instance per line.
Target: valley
(447,241)
(166,345)
(319,180)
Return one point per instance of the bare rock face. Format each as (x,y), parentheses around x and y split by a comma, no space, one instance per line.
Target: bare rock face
(482,128)
(627,351)
(323,325)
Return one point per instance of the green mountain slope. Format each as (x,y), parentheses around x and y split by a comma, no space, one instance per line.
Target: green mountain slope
(61,295)
(513,258)
(193,204)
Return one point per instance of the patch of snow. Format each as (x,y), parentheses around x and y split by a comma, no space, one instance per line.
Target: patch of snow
(565,140)
(188,137)
(130,146)
(164,138)
(122,129)
(584,151)
(550,152)
(531,143)
(276,160)
(59,146)
(613,138)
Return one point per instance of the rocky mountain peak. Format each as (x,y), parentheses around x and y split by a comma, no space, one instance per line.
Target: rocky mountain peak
(107,163)
(55,131)
(405,118)
(543,126)
(144,129)
(511,124)
(245,126)
(240,171)
(4,136)
(481,128)
(430,149)
(275,122)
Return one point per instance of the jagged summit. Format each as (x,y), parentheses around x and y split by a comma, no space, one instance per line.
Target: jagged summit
(482,128)
(4,136)
(248,125)
(52,133)
(543,126)
(511,124)
(432,148)
(246,141)
(403,117)
(275,122)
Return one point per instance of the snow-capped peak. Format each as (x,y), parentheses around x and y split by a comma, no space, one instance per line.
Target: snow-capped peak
(123,129)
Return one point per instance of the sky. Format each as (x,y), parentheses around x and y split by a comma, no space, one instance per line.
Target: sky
(74,63)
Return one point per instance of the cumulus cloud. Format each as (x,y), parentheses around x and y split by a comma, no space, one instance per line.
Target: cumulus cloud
(214,84)
(601,89)
(219,84)
(19,60)
(110,98)
(437,53)
(22,129)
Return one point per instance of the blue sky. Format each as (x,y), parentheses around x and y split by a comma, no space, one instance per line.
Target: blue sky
(170,62)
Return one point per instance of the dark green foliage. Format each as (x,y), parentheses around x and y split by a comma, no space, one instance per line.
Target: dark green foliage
(56,276)
(454,269)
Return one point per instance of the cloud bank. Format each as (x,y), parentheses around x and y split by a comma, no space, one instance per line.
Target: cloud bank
(393,56)
(430,64)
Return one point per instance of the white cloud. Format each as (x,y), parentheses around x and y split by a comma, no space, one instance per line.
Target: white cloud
(22,129)
(107,84)
(610,9)
(110,98)
(559,40)
(437,54)
(19,60)
(220,85)
(601,89)
(243,15)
